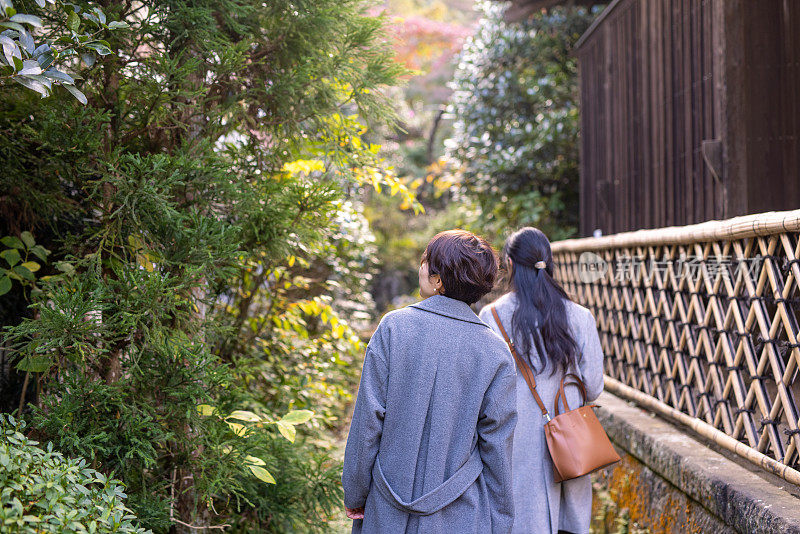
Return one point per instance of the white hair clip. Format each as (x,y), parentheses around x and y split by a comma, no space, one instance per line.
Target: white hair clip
(541,264)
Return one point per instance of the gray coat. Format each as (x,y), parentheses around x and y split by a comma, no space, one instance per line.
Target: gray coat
(429,448)
(540,504)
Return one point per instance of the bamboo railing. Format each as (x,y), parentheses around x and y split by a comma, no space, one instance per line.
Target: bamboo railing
(700,324)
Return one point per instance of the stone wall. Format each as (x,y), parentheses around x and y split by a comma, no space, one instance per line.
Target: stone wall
(670,482)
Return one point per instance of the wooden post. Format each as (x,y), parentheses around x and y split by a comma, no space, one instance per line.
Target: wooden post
(730,114)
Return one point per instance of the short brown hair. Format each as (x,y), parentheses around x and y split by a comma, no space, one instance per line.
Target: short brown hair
(465,262)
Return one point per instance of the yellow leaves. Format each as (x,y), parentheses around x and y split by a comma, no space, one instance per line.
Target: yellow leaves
(286,425)
(262,474)
(337,331)
(205,410)
(144,258)
(239,430)
(287,430)
(296,417)
(310,307)
(306,166)
(323,310)
(244,415)
(32,266)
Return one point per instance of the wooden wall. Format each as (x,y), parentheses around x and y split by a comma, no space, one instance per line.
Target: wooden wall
(689,112)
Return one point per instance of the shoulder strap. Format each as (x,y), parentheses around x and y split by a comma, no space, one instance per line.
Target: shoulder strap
(527,374)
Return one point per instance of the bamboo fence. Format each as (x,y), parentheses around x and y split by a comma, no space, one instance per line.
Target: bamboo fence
(700,324)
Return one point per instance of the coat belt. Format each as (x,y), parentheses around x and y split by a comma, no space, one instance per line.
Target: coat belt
(439,497)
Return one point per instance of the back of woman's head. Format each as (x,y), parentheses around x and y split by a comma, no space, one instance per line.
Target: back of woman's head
(466,263)
(541,302)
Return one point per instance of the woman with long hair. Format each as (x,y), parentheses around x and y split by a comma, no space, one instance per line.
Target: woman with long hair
(538,312)
(429,448)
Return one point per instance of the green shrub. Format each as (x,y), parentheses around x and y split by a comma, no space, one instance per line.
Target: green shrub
(42,491)
(515,136)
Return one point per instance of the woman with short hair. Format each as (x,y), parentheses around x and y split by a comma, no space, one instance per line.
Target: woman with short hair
(568,332)
(429,448)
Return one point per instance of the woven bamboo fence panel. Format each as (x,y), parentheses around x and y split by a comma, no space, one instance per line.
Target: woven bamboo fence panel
(703,319)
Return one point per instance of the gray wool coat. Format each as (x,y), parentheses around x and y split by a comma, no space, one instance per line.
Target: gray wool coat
(429,447)
(540,504)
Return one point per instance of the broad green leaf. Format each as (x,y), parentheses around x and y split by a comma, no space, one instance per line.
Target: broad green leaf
(11,255)
(205,409)
(32,266)
(24,272)
(12,242)
(45,60)
(33,20)
(287,430)
(30,66)
(28,239)
(244,415)
(26,40)
(73,21)
(40,252)
(262,474)
(297,417)
(32,85)
(254,461)
(117,24)
(76,93)
(13,25)
(5,285)
(41,49)
(100,48)
(100,15)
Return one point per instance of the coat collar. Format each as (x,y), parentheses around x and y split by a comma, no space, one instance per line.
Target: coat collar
(455,309)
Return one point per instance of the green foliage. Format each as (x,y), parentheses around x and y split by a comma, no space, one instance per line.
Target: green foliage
(205,253)
(65,32)
(20,255)
(42,491)
(515,141)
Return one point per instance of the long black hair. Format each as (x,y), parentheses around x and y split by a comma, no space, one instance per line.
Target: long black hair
(541,315)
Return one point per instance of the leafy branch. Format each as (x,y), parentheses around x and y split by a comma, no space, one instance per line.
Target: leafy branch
(38,65)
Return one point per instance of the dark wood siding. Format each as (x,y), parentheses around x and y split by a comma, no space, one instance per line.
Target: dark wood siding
(689,112)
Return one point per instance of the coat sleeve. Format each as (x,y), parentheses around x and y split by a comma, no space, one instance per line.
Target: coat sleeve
(366,428)
(496,424)
(591,363)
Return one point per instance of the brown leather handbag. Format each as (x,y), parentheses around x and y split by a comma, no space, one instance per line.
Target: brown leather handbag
(576,440)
